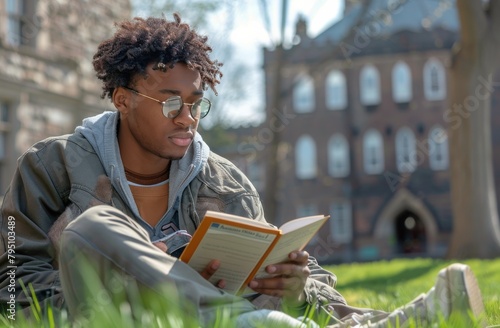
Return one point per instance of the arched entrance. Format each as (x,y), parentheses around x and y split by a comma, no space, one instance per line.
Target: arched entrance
(410,233)
(393,217)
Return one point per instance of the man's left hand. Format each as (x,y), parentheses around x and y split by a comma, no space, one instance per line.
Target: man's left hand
(287,281)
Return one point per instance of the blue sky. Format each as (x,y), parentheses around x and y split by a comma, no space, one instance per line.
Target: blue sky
(241,27)
(249,35)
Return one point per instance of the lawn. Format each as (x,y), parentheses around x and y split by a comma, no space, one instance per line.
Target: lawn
(383,285)
(386,285)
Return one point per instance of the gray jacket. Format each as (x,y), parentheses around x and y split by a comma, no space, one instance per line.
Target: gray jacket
(63,170)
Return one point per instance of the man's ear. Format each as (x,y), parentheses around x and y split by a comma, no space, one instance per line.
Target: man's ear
(122,101)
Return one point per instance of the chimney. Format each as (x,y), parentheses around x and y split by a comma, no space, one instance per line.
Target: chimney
(301,28)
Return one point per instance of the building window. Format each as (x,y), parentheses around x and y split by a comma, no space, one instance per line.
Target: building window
(370,86)
(434,80)
(341,222)
(22,23)
(338,156)
(373,152)
(336,90)
(307,210)
(303,95)
(406,150)
(401,83)
(438,149)
(305,158)
(14,23)
(255,174)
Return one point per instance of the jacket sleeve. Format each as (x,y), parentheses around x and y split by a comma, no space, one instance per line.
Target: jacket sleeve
(30,206)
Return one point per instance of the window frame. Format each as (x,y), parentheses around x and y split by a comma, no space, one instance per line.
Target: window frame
(402,85)
(406,150)
(303,94)
(341,229)
(370,95)
(373,136)
(336,90)
(429,93)
(434,163)
(306,167)
(345,168)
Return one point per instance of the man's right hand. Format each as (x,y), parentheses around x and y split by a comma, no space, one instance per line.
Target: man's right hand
(161,245)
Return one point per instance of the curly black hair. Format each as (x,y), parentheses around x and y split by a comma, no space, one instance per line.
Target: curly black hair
(140,42)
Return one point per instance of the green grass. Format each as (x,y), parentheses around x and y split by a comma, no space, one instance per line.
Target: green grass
(383,285)
(386,285)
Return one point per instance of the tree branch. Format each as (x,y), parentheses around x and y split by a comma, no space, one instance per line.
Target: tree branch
(473,21)
(495,18)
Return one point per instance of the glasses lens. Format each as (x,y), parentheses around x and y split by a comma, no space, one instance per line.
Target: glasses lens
(201,108)
(172,106)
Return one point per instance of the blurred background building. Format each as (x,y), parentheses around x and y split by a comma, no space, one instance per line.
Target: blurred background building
(360,117)
(47,83)
(362,127)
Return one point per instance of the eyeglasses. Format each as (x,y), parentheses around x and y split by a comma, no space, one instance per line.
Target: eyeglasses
(172,107)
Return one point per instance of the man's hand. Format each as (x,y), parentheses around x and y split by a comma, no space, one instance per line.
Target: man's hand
(162,246)
(287,281)
(209,271)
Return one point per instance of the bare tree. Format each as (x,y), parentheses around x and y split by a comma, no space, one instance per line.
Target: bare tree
(476,231)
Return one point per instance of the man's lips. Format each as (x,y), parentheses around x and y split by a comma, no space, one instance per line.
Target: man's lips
(182,140)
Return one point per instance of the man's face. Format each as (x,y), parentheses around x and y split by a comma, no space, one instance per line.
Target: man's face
(148,132)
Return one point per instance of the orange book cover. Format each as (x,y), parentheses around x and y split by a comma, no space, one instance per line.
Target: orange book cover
(245,246)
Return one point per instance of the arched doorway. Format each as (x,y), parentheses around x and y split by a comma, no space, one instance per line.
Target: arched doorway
(386,234)
(410,233)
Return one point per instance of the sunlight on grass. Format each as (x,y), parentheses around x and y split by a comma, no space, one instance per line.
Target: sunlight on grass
(387,285)
(383,285)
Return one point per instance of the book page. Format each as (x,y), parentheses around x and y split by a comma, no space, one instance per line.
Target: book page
(237,248)
(301,222)
(292,240)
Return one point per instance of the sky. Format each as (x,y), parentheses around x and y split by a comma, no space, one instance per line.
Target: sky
(240,29)
(249,35)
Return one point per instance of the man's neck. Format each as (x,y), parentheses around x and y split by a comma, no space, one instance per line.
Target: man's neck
(147,179)
(136,160)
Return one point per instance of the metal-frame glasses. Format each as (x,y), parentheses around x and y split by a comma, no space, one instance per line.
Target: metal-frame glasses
(172,106)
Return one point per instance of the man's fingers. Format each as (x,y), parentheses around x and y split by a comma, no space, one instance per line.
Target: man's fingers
(210,269)
(299,256)
(161,246)
(289,270)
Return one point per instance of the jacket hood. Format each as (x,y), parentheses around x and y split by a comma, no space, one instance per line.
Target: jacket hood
(101,132)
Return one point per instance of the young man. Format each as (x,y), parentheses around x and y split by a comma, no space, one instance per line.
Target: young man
(127,178)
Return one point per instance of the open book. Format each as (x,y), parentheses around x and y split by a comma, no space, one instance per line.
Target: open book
(245,246)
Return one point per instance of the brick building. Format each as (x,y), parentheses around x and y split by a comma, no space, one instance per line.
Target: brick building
(47,83)
(363,137)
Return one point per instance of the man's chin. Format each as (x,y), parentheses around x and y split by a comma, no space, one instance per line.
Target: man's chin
(174,157)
